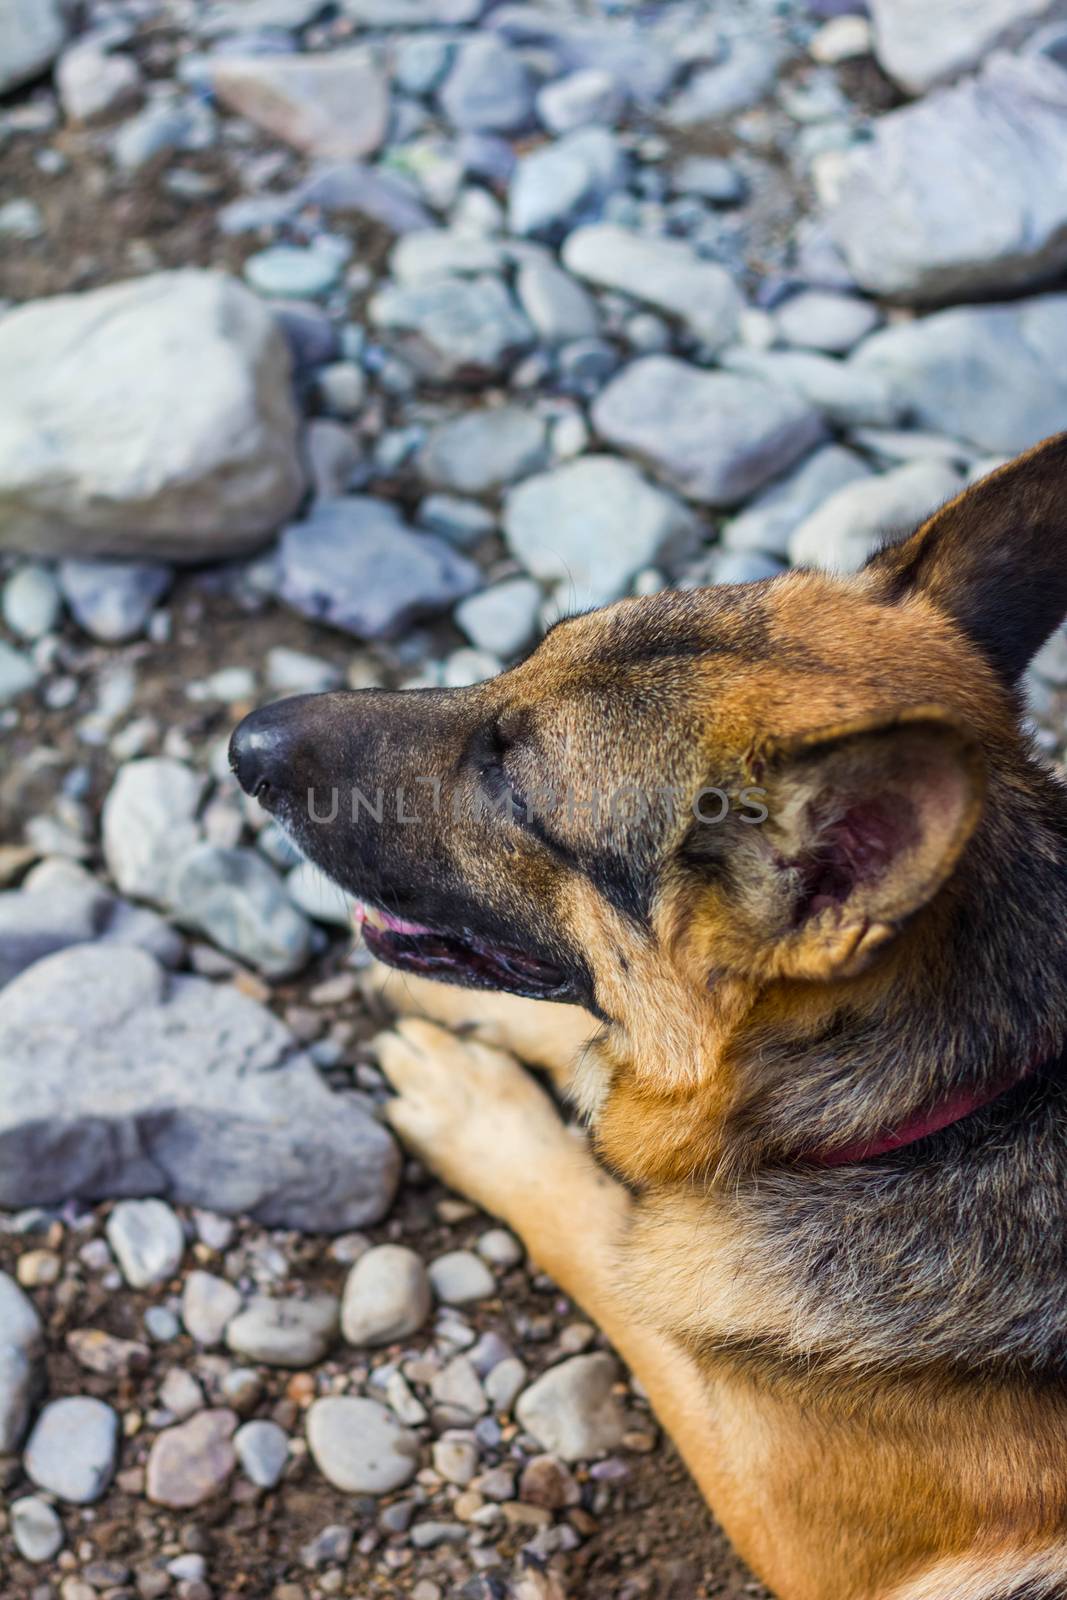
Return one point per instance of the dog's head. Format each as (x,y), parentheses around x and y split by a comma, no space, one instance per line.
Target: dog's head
(704,815)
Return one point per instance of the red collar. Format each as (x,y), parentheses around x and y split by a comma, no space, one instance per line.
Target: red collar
(952,1109)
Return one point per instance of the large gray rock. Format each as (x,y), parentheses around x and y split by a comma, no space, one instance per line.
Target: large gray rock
(572,1409)
(454,329)
(149,821)
(920,44)
(183,1088)
(21,1362)
(857,519)
(32,33)
(666,273)
(333,106)
(73,1449)
(481,450)
(60,904)
(592,524)
(152,418)
(716,436)
(993,375)
(356,565)
(235,898)
(913,214)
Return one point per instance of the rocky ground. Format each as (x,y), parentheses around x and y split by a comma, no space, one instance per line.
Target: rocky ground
(385,331)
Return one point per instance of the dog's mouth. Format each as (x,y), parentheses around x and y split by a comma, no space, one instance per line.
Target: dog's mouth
(461,958)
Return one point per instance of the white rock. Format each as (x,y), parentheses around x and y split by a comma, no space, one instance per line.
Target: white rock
(359,1446)
(208,1305)
(504,1383)
(920,44)
(572,1411)
(21,1352)
(318,896)
(31,601)
(149,822)
(73,1449)
(856,520)
(92,84)
(32,33)
(459,1278)
(768,522)
(592,524)
(334,106)
(841,39)
(579,100)
(386,1297)
(503,618)
(151,418)
(666,273)
(147,1239)
(816,319)
(284,1332)
(558,306)
(36,1529)
(500,1248)
(263,1450)
(848,396)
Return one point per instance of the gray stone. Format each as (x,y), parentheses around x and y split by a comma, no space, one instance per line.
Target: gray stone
(356,565)
(147,1239)
(262,1450)
(768,523)
(383,196)
(414,13)
(464,667)
(718,92)
(571,1409)
(21,219)
(421,61)
(931,168)
(386,1297)
(457,1390)
(488,87)
(169,124)
(31,601)
(32,33)
(581,99)
(716,436)
(148,822)
(640,61)
(185,1088)
(73,1449)
(733,566)
(208,1305)
(333,106)
(593,523)
(17,673)
(95,85)
(296,672)
(504,1383)
(856,520)
(180,1394)
(238,901)
(289,271)
(460,1277)
(666,273)
(191,1462)
(564,183)
(462,522)
(454,329)
(318,896)
(481,450)
(503,618)
(456,1456)
(710,178)
(112,600)
(60,904)
(1050,663)
(444,253)
(559,308)
(848,396)
(995,376)
(359,1446)
(920,45)
(500,1248)
(284,1333)
(36,1529)
(816,319)
(21,1362)
(179,438)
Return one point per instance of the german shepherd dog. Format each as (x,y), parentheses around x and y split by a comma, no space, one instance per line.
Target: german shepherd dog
(817,1032)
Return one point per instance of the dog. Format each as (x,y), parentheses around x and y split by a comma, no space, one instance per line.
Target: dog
(814,1019)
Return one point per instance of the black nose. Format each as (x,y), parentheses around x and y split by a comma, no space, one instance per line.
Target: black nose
(263,746)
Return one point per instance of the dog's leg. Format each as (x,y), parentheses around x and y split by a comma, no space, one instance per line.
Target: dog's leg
(546,1035)
(486,1127)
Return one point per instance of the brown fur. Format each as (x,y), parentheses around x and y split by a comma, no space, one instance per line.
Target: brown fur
(865,1365)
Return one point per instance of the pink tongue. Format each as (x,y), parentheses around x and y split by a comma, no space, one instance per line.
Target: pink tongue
(385,919)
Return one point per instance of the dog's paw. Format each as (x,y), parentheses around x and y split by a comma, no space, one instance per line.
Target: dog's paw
(470,1112)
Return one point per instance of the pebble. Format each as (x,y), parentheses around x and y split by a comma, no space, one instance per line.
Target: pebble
(832,323)
(17,673)
(488,88)
(285,1332)
(21,219)
(768,521)
(147,1239)
(235,898)
(180,1394)
(208,1305)
(849,526)
(454,329)
(359,1446)
(463,523)
(483,450)
(558,306)
(148,822)
(31,601)
(93,85)
(504,1383)
(36,1529)
(262,1450)
(572,1409)
(459,1278)
(564,183)
(580,99)
(458,1391)
(455,1457)
(191,1462)
(287,271)
(318,896)
(500,1248)
(710,178)
(296,672)
(502,619)
(665,273)
(841,39)
(73,1449)
(387,1296)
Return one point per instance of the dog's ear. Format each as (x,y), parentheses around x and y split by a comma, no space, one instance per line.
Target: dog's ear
(994,558)
(865,822)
